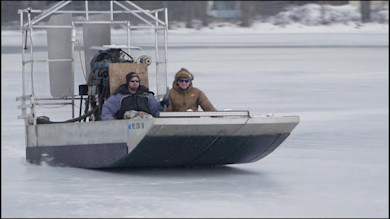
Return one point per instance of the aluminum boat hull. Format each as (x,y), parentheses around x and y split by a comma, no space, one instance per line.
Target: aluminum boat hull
(157,142)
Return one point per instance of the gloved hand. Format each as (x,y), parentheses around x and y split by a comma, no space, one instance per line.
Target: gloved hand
(164,102)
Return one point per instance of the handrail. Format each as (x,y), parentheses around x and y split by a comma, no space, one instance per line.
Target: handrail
(244,113)
(49,11)
(138,16)
(145,12)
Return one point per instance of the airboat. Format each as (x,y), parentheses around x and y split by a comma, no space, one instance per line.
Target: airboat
(61,112)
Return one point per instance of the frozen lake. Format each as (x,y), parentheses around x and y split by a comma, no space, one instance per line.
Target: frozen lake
(334,164)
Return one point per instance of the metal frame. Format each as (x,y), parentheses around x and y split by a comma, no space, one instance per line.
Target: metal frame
(28,99)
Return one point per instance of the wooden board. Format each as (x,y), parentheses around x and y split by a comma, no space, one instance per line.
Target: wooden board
(117,74)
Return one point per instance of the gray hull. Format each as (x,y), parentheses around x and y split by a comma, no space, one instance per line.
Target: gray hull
(158,142)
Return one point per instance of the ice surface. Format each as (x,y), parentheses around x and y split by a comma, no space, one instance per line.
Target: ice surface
(334,164)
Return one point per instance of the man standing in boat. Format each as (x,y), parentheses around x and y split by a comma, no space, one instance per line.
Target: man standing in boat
(184,97)
(130,97)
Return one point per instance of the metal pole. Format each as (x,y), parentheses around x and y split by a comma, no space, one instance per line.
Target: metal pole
(111,10)
(128,38)
(156,50)
(135,14)
(48,12)
(86,10)
(24,42)
(73,40)
(144,11)
(166,45)
(32,79)
(32,59)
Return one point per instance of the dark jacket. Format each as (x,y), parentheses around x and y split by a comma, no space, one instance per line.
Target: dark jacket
(122,100)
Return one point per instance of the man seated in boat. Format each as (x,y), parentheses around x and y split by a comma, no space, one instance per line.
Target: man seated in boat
(184,97)
(130,97)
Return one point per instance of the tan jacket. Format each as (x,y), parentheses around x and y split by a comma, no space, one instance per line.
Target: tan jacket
(191,98)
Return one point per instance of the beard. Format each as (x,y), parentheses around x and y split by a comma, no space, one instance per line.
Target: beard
(133,89)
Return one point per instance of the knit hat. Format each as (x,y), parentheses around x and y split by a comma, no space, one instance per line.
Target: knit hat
(184,73)
(130,75)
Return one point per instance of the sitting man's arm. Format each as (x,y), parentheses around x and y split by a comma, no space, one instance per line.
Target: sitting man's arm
(154,105)
(204,102)
(111,107)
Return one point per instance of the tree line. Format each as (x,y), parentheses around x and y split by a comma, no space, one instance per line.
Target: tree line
(184,11)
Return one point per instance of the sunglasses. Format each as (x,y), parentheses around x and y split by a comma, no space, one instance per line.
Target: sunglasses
(134,81)
(184,80)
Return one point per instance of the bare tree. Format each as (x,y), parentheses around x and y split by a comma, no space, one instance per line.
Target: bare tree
(246,13)
(189,13)
(203,13)
(365,10)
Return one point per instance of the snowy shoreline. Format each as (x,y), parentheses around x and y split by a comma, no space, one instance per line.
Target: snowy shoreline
(225,34)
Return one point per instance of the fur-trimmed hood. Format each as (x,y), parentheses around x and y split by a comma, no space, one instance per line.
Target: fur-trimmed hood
(189,99)
(182,73)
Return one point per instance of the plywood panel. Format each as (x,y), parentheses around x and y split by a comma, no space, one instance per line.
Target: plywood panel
(117,74)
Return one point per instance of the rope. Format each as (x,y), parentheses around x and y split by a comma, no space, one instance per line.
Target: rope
(81,62)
